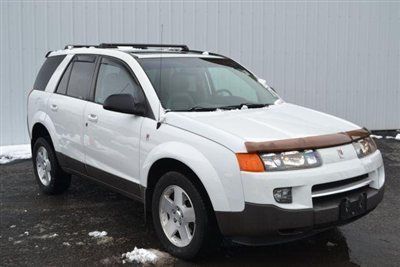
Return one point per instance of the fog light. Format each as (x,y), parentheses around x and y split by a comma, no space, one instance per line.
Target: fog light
(283,195)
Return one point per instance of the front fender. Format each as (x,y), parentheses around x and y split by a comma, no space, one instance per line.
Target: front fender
(198,163)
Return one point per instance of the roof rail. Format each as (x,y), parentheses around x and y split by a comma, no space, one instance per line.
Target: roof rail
(70,46)
(182,47)
(144,46)
(209,53)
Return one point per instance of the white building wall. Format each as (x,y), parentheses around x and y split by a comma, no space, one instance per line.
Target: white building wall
(340,58)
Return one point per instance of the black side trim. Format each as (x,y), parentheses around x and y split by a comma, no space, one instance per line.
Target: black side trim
(113,182)
(69,164)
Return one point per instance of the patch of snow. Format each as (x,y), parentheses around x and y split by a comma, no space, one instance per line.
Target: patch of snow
(263,82)
(205,53)
(13,226)
(140,255)
(279,101)
(26,233)
(376,136)
(98,234)
(14,152)
(66,244)
(104,240)
(397,137)
(46,236)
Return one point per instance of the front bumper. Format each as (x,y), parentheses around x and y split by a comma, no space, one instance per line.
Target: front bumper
(318,196)
(258,186)
(261,224)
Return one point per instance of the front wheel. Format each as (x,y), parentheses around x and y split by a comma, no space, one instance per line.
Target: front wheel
(181,218)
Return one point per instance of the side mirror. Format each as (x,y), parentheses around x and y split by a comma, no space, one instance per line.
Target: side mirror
(124,103)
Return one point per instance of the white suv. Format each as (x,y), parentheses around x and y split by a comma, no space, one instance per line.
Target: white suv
(207,147)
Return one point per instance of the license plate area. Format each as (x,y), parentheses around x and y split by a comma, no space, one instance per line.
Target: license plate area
(353,207)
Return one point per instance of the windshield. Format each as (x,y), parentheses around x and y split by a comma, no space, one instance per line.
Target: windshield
(195,84)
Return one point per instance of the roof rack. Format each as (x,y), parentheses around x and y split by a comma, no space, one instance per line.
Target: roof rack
(183,48)
(144,46)
(70,46)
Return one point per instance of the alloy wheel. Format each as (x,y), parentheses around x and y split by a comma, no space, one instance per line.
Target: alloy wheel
(43,166)
(177,216)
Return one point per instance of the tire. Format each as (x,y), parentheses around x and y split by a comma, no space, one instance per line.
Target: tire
(50,177)
(202,231)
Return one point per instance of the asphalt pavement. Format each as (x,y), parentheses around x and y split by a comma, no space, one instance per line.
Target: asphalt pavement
(41,230)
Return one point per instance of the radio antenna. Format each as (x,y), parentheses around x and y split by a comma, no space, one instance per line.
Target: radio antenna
(159,122)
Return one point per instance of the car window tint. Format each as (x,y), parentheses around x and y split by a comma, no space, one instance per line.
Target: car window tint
(62,86)
(80,79)
(114,78)
(46,71)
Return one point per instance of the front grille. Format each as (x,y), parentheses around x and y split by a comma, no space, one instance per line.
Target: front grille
(329,200)
(333,185)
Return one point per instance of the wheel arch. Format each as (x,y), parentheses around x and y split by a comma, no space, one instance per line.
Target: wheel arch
(40,130)
(185,158)
(164,165)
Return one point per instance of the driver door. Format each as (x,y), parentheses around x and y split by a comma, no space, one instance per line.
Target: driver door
(112,138)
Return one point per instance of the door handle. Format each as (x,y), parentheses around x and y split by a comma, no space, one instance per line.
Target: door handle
(53,107)
(92,117)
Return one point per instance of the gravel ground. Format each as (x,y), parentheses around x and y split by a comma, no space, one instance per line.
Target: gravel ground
(41,230)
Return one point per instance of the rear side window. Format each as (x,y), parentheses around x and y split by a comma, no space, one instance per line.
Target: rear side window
(81,77)
(46,71)
(62,86)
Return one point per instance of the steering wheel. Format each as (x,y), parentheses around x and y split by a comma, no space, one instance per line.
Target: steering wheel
(221,91)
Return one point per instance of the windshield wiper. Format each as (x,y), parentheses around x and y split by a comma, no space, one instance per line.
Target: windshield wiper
(198,108)
(249,105)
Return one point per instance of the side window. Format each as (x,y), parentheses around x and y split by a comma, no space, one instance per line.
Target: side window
(232,84)
(46,71)
(62,86)
(114,78)
(81,77)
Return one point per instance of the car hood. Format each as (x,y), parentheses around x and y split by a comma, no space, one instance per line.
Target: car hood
(276,122)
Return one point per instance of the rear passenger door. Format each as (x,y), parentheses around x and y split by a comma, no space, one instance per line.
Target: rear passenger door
(66,110)
(112,138)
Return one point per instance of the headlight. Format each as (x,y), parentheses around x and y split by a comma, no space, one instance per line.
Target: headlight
(364,147)
(291,160)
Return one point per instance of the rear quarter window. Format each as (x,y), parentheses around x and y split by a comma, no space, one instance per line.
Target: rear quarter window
(46,71)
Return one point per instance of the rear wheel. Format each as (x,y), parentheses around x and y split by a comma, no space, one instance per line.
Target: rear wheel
(181,217)
(49,176)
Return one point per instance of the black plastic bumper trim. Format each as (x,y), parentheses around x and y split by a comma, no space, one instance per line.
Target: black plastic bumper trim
(274,223)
